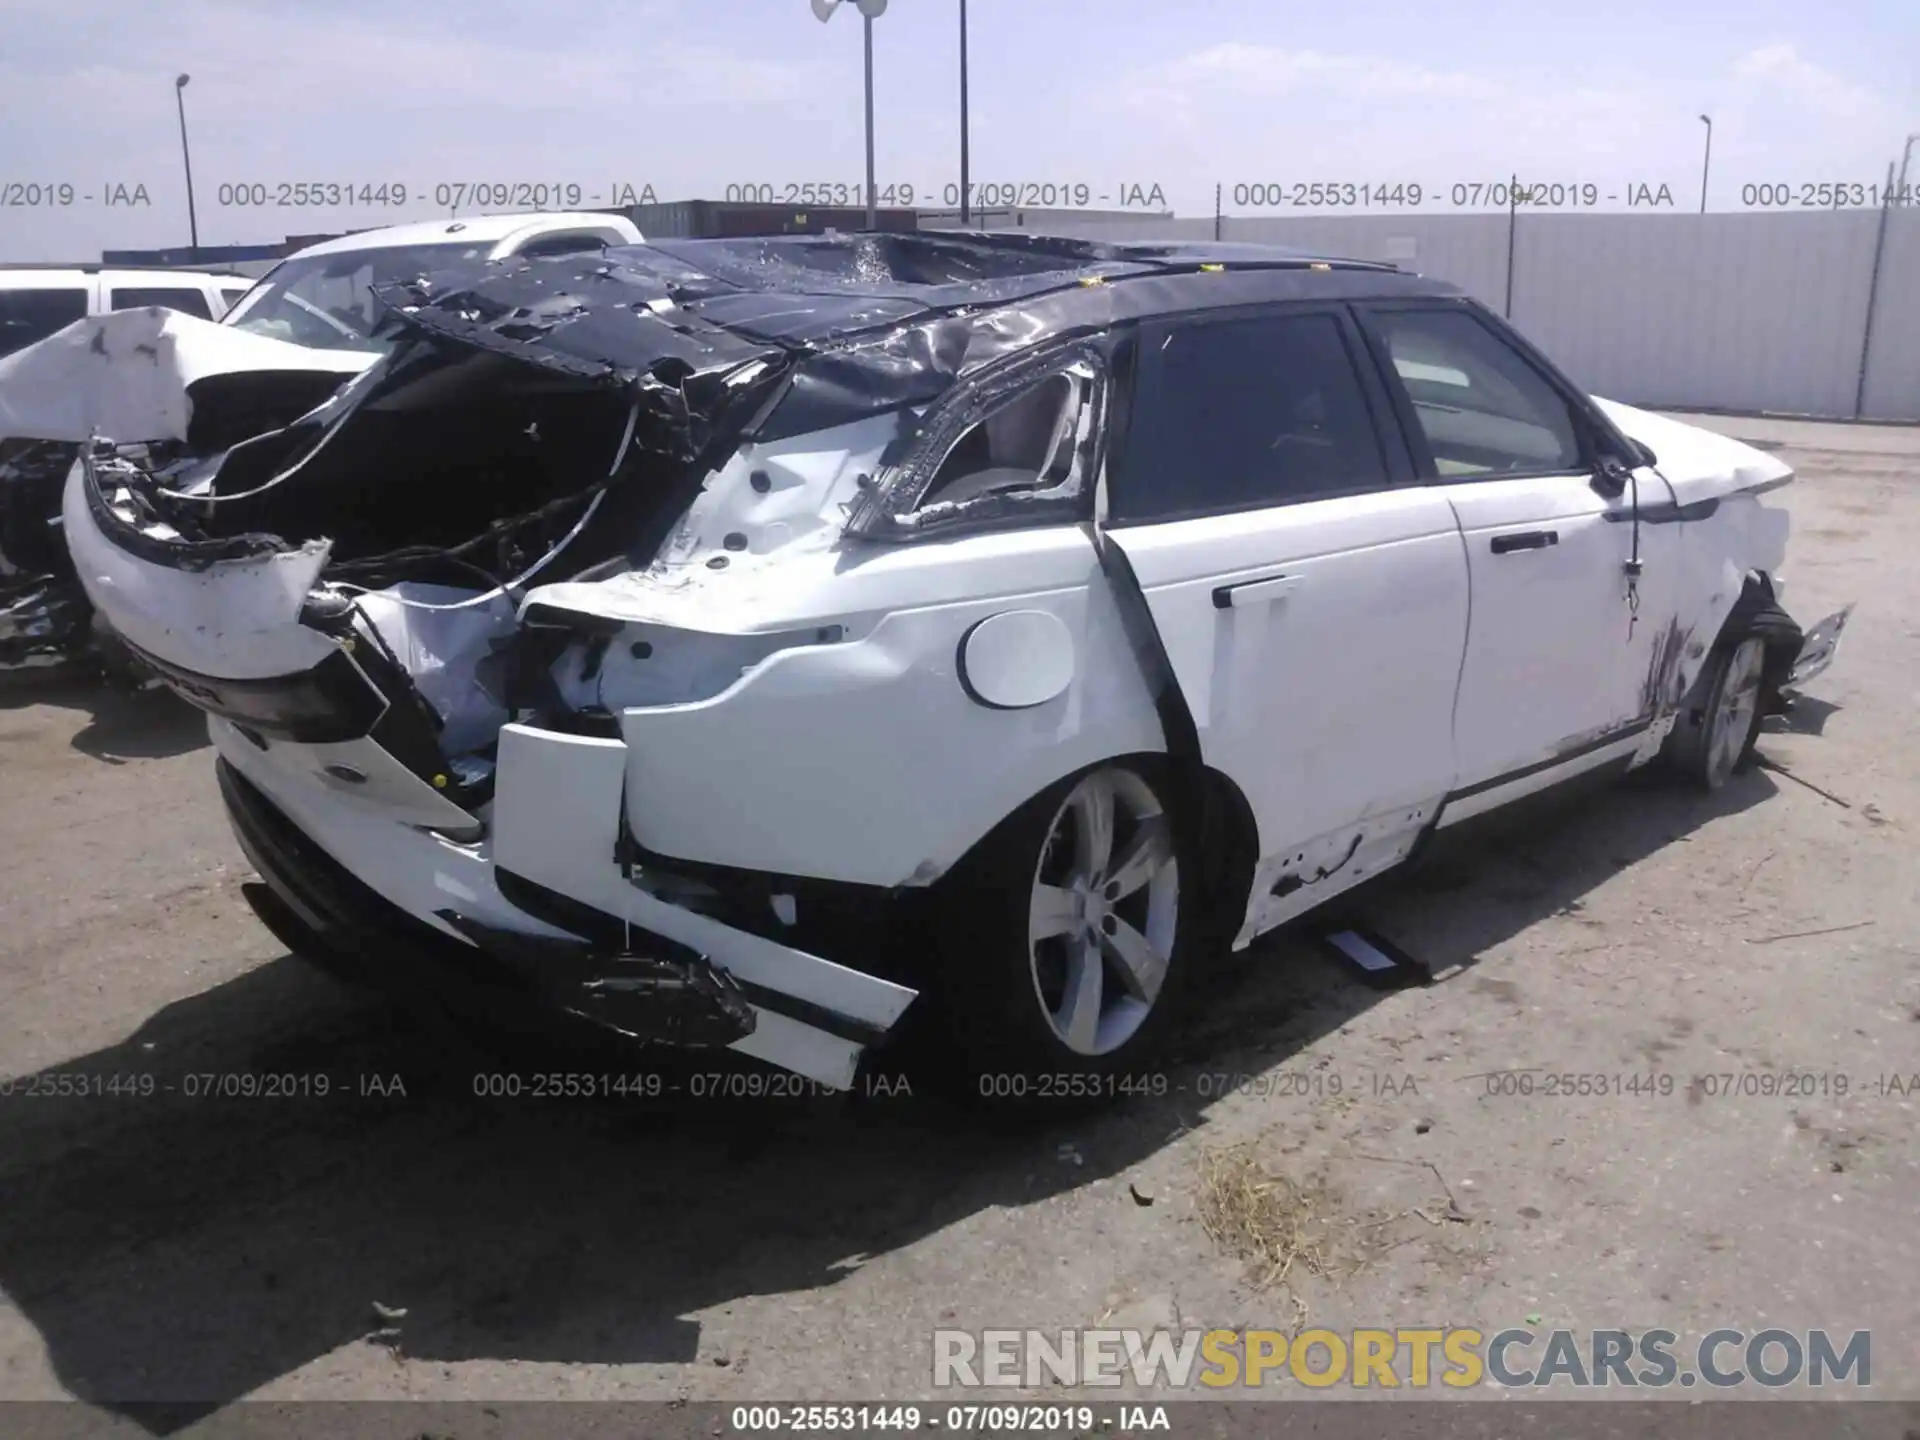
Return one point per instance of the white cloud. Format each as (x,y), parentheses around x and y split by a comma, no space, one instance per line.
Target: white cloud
(1264,69)
(1779,70)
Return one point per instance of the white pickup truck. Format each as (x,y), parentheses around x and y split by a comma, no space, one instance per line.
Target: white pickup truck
(36,300)
(322,297)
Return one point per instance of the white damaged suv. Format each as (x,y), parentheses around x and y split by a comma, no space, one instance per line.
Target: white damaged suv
(727,642)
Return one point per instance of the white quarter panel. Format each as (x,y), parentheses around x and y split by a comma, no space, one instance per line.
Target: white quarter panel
(1327,698)
(865,759)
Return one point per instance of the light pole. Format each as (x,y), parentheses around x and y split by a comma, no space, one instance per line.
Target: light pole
(964,212)
(870,11)
(1706,162)
(193,225)
(1900,185)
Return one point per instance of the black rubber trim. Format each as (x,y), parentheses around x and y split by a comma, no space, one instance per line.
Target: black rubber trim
(1612,737)
(1136,619)
(333,702)
(1177,728)
(190,555)
(1667,512)
(611,931)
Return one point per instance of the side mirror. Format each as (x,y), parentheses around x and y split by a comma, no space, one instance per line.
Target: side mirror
(1611,476)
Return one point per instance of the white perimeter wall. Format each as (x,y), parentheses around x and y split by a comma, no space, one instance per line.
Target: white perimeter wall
(1737,312)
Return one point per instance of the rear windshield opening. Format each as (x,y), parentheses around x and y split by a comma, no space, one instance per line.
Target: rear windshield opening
(464,468)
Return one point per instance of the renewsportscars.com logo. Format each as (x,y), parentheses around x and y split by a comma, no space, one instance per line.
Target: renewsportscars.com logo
(1456,1358)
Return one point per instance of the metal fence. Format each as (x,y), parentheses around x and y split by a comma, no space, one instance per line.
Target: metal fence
(1738,312)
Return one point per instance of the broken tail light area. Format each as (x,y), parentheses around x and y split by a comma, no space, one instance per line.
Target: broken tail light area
(649,989)
(652,990)
(353,576)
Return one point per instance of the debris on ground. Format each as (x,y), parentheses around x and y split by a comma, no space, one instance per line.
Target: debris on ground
(1808,934)
(1269,1220)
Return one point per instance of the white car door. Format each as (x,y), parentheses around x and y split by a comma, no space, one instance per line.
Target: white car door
(1560,646)
(1311,600)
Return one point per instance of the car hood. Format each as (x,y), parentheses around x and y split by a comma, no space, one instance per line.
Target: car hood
(1698,464)
(140,375)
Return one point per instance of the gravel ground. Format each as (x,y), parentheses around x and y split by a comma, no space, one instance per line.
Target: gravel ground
(176,1247)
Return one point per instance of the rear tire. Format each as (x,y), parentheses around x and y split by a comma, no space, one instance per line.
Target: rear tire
(1067,940)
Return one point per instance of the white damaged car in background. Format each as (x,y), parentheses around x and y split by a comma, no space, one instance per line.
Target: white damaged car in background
(731,643)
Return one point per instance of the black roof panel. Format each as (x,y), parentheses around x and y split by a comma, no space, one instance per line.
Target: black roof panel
(872,321)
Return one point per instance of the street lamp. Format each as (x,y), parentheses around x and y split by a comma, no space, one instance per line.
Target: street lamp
(964,213)
(870,11)
(1706,162)
(193,225)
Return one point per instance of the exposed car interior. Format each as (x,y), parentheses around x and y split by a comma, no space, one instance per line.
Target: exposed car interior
(1025,444)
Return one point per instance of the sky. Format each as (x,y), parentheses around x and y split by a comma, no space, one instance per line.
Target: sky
(1101,98)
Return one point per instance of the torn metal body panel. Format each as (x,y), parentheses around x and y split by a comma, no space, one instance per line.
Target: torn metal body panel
(654,623)
(149,374)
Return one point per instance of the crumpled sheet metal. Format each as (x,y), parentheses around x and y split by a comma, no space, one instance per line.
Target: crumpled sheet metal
(441,642)
(869,323)
(587,319)
(130,374)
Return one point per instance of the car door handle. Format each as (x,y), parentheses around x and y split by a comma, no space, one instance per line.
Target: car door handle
(1251,592)
(1525,540)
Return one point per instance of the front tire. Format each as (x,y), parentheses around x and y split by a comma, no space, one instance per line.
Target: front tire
(1715,732)
(1068,938)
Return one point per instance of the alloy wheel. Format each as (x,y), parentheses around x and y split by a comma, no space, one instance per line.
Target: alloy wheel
(1734,710)
(1104,911)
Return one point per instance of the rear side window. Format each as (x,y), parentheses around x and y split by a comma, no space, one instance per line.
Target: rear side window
(30,315)
(189,300)
(230,295)
(1485,411)
(1016,448)
(1236,414)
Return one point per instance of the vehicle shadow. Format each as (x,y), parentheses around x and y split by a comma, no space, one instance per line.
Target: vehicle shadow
(176,1249)
(1493,877)
(1808,715)
(125,721)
